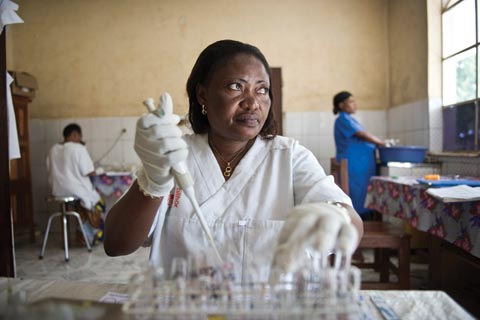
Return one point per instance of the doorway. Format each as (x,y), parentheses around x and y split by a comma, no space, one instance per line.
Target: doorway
(277,98)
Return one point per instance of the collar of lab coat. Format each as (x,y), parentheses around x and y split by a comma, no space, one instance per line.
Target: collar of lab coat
(206,165)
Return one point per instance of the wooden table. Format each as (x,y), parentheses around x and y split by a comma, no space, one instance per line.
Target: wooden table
(457,223)
(406,304)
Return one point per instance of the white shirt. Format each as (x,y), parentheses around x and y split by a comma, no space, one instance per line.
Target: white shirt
(68,165)
(247,212)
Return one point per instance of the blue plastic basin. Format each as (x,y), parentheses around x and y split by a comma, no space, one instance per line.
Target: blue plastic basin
(402,154)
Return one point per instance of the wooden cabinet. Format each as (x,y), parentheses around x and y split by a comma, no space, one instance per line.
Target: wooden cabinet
(20,174)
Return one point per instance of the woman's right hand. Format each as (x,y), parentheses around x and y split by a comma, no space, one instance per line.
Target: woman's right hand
(159,145)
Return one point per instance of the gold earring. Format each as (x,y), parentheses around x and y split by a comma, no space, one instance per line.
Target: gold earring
(204,110)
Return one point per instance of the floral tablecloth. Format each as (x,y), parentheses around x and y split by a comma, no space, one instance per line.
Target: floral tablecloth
(112,184)
(457,222)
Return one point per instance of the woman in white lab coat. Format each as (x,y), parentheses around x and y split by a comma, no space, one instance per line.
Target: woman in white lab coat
(247,179)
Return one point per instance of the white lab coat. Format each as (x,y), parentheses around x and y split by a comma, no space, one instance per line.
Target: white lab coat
(247,212)
(68,165)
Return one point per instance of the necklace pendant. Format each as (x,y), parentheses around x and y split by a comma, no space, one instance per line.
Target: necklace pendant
(228,171)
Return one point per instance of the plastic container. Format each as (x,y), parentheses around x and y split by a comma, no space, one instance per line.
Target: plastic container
(402,154)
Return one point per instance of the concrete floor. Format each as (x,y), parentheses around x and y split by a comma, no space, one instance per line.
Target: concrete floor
(96,266)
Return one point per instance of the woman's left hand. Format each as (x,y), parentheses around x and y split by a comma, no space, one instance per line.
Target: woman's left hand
(321,227)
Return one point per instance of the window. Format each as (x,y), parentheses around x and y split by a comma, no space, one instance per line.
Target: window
(459,126)
(461,73)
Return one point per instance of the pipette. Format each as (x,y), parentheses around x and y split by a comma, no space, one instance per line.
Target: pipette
(180,170)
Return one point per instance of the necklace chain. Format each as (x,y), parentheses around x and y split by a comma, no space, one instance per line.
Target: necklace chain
(228,169)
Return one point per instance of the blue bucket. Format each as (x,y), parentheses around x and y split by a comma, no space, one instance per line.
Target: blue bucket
(402,154)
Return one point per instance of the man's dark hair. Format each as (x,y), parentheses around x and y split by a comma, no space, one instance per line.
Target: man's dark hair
(71,128)
(212,58)
(339,98)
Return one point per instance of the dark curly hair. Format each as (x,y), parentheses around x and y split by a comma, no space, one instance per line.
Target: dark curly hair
(212,58)
(339,98)
(71,128)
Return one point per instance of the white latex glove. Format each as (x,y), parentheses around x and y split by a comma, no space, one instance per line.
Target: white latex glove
(319,227)
(159,145)
(391,142)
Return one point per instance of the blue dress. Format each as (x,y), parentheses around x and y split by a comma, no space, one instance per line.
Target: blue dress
(360,155)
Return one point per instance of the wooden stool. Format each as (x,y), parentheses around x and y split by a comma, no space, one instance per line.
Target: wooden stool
(382,237)
(63,201)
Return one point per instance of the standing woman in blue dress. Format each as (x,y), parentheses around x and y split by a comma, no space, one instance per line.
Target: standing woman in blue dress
(355,144)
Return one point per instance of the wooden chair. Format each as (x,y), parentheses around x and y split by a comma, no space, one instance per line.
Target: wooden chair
(381,236)
(339,171)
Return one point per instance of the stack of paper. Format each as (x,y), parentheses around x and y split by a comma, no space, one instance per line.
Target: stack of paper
(461,193)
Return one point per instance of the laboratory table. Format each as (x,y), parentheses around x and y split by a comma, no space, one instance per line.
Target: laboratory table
(455,222)
(406,304)
(453,229)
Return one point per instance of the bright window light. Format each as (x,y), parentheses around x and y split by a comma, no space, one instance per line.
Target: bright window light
(458,27)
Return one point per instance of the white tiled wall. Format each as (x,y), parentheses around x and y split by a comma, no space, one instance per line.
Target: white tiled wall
(435,123)
(99,135)
(409,123)
(314,130)
(420,123)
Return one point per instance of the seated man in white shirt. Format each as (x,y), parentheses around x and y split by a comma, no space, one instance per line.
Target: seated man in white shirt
(69,166)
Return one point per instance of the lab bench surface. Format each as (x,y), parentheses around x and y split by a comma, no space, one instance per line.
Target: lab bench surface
(409,304)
